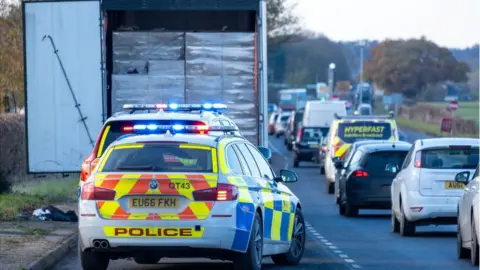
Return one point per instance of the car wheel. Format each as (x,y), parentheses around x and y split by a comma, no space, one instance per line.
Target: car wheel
(296,163)
(90,260)
(474,248)
(285,141)
(145,259)
(407,228)
(322,170)
(341,209)
(330,187)
(297,245)
(350,210)
(462,253)
(252,259)
(289,147)
(395,223)
(277,135)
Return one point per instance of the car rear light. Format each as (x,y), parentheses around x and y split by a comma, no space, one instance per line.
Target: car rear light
(360,173)
(324,149)
(223,192)
(92,193)
(416,209)
(87,167)
(94,164)
(299,134)
(418,160)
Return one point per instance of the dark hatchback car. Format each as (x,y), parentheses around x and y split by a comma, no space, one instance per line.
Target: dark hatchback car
(292,128)
(365,182)
(305,147)
(348,157)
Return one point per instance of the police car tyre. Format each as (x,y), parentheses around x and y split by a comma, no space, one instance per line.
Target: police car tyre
(407,228)
(395,223)
(462,253)
(322,170)
(297,246)
(289,147)
(474,256)
(92,260)
(145,259)
(252,259)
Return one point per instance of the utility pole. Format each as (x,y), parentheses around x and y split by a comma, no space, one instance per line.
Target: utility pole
(362,44)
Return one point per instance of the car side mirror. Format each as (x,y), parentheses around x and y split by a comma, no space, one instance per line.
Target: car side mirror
(462,177)
(267,154)
(287,176)
(392,168)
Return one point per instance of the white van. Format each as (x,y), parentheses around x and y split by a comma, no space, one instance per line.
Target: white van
(321,113)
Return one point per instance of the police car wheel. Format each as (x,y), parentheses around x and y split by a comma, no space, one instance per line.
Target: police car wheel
(297,246)
(92,260)
(252,259)
(289,147)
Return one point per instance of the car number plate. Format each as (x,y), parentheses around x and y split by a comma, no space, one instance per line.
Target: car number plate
(154,202)
(454,185)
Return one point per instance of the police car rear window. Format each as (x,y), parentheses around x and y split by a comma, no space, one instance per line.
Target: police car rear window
(361,130)
(159,158)
(115,129)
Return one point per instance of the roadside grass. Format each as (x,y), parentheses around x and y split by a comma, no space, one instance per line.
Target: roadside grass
(469,110)
(427,128)
(31,195)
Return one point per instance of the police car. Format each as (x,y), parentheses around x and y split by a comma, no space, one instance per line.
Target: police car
(171,194)
(136,117)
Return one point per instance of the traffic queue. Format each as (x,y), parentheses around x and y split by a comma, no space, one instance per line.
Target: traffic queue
(180,180)
(368,165)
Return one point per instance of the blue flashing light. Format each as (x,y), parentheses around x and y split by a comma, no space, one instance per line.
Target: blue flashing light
(139,127)
(152,127)
(173,106)
(178,127)
(219,106)
(207,106)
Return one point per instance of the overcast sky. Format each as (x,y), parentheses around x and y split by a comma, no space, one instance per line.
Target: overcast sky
(450,23)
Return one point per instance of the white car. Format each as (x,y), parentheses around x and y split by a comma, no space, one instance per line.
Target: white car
(281,123)
(425,192)
(468,216)
(187,195)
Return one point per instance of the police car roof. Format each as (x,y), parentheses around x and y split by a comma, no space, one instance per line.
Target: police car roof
(392,146)
(206,140)
(204,116)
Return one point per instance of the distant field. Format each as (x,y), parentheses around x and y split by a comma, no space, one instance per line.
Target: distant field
(468,109)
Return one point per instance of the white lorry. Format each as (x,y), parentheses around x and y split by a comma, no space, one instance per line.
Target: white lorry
(84,59)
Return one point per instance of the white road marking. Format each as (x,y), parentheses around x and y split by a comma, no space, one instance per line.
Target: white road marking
(330,245)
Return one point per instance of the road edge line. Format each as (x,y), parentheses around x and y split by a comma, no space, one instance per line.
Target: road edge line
(54,256)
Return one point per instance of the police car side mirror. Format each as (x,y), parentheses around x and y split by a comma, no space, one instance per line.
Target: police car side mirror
(287,176)
(267,154)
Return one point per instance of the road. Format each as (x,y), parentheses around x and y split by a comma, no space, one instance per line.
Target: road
(336,242)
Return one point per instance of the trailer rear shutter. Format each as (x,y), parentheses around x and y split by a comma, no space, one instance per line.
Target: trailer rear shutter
(180,5)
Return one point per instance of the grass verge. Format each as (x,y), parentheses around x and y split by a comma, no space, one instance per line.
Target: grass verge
(430,129)
(35,194)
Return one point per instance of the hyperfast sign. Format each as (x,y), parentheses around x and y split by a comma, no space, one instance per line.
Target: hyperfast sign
(153,232)
(367,130)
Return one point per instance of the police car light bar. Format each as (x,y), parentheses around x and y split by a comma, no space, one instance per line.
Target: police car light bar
(200,128)
(176,107)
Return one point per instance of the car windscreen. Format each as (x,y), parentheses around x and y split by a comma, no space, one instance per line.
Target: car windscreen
(284,118)
(350,132)
(450,158)
(376,162)
(114,130)
(159,158)
(298,117)
(364,111)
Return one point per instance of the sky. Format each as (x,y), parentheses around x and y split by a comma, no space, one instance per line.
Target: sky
(449,23)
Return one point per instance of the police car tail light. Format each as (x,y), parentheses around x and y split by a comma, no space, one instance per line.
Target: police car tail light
(91,192)
(127,129)
(223,192)
(87,167)
(360,173)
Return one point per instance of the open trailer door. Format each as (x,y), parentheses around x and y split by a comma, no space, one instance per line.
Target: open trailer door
(63,83)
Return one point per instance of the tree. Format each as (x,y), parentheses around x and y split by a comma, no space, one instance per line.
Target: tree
(409,66)
(282,24)
(11,50)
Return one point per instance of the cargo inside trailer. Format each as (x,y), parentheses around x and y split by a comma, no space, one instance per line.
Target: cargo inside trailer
(184,57)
